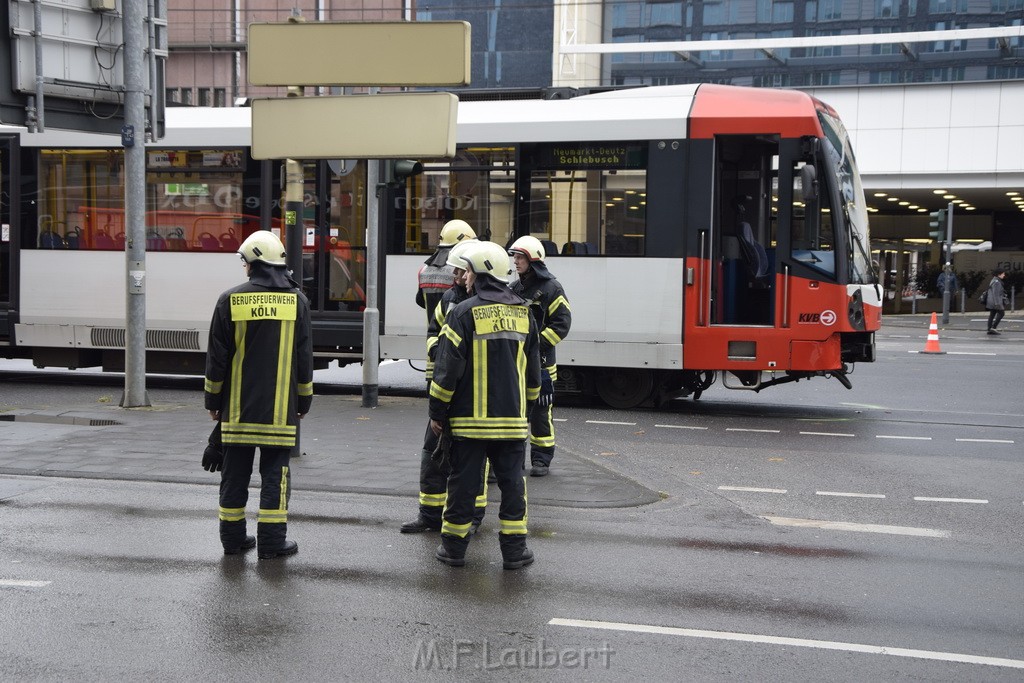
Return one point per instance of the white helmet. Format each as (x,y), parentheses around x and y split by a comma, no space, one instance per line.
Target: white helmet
(456,257)
(488,258)
(528,246)
(263,245)
(454,232)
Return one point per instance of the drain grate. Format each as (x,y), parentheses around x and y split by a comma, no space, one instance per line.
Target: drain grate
(60,419)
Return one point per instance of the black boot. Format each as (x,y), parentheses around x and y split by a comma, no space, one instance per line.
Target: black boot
(289,548)
(248,544)
(420,524)
(452,550)
(514,553)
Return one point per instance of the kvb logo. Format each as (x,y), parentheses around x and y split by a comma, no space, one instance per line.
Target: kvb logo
(825,318)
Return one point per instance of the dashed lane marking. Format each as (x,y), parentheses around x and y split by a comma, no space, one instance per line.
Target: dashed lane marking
(762,431)
(750,489)
(853,526)
(986,440)
(20,583)
(610,422)
(793,642)
(908,438)
(826,434)
(962,353)
(679,427)
(928,499)
(846,494)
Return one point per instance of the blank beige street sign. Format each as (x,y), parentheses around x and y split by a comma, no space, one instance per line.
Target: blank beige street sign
(360,53)
(396,126)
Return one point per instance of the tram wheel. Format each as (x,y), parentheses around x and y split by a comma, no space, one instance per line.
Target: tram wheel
(625,387)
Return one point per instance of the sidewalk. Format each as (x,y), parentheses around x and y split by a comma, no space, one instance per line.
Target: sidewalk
(976,321)
(346,448)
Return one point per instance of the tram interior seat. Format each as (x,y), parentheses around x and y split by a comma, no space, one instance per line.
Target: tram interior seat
(155,241)
(176,240)
(579,248)
(74,238)
(229,242)
(550,248)
(207,242)
(48,239)
(753,252)
(103,240)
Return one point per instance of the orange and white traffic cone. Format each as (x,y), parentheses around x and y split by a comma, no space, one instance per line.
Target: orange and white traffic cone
(932,345)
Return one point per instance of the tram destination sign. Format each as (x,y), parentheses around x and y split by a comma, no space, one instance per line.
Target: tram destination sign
(384,126)
(387,53)
(586,156)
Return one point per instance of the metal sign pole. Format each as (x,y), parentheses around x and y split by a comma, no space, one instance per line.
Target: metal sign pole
(132,136)
(371,316)
(947,269)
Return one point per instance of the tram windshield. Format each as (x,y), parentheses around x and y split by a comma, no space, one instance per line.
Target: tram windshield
(843,165)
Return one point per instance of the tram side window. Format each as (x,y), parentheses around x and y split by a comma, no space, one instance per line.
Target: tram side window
(813,241)
(589,198)
(78,189)
(194,201)
(478,186)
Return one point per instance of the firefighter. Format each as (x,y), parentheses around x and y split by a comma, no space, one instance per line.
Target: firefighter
(485,382)
(435,275)
(433,469)
(259,384)
(547,300)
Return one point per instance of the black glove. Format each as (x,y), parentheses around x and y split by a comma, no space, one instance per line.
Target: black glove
(443,450)
(213,456)
(547,389)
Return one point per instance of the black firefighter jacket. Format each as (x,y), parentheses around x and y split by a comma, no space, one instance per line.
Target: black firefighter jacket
(259,364)
(546,299)
(487,374)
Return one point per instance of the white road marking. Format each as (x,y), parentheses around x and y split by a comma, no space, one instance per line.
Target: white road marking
(909,438)
(18,583)
(679,427)
(970,353)
(750,489)
(609,422)
(853,526)
(987,440)
(792,642)
(559,419)
(950,500)
(826,434)
(741,429)
(901,336)
(849,495)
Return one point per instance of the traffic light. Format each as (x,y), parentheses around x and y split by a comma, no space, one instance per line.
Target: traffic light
(938,221)
(397,170)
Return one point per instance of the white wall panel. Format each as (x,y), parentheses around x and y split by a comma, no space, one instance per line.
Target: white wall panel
(879,150)
(925,150)
(1010,148)
(973,149)
(975,105)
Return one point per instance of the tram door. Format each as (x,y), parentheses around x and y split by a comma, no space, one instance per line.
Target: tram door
(8,226)
(334,239)
(765,232)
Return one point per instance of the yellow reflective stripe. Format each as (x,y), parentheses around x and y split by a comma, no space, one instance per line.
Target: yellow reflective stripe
(513,526)
(532,394)
(212,387)
(451,334)
(272,516)
(439,314)
(235,400)
(249,440)
(283,500)
(553,371)
(497,434)
(542,440)
(251,427)
(521,376)
(284,372)
(479,378)
(440,393)
(485,421)
(431,343)
(433,499)
(551,336)
(460,530)
(305,388)
(559,301)
(232,514)
(481,500)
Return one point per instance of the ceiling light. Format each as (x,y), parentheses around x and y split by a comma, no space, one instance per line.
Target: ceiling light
(938,192)
(922,210)
(971,208)
(893,199)
(949,196)
(957,201)
(904,203)
(1012,193)
(883,194)
(913,206)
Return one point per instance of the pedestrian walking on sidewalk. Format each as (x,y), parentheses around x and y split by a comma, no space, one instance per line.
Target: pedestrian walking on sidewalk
(434,469)
(259,384)
(550,308)
(996,300)
(486,380)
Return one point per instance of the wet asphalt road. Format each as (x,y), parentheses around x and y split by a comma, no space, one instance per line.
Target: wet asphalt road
(887,517)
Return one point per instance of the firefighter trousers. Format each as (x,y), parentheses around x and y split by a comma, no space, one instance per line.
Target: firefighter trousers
(469,473)
(275,490)
(434,483)
(542,436)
